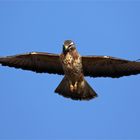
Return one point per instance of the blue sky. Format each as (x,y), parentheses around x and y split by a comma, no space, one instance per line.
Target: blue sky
(29,109)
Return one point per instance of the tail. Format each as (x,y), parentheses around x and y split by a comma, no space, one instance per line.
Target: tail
(83,91)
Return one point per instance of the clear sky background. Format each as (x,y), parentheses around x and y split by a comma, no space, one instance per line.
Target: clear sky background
(29,109)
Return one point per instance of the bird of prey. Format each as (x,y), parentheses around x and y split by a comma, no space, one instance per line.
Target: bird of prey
(74,67)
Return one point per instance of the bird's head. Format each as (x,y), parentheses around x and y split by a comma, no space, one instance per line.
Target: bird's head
(68,46)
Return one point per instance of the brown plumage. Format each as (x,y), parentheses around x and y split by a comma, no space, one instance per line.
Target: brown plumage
(74,67)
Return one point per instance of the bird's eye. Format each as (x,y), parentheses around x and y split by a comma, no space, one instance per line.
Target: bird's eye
(70,47)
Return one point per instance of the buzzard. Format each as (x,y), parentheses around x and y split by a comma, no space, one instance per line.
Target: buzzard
(74,67)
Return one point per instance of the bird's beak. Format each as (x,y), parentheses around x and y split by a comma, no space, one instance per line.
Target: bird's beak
(65,48)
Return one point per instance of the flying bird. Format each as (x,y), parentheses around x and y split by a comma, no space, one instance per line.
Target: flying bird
(74,67)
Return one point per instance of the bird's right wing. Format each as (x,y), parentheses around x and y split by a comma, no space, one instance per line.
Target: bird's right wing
(35,61)
(106,66)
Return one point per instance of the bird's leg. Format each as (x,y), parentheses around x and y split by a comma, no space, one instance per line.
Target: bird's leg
(75,85)
(71,87)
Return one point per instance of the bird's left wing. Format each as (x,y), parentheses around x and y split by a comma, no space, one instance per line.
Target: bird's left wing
(34,61)
(106,66)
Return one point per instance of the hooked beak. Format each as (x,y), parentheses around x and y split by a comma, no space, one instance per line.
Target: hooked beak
(65,49)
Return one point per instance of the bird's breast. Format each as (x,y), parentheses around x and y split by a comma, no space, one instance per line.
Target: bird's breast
(68,60)
(72,66)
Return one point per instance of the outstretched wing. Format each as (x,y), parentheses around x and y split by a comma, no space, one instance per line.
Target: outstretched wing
(106,66)
(34,61)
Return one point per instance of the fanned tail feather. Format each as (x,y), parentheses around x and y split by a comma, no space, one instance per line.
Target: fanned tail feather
(85,93)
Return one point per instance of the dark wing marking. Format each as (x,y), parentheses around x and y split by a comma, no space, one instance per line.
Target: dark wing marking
(34,61)
(106,66)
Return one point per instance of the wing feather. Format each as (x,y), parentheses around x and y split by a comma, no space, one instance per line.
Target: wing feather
(106,66)
(34,61)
